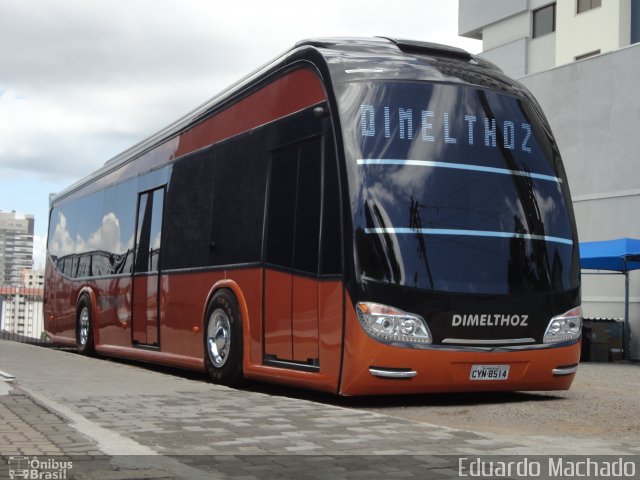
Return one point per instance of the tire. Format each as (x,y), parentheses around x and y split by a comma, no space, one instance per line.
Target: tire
(84,327)
(223,339)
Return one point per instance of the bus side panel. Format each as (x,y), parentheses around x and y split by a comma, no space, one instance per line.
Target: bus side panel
(443,370)
(249,282)
(183,298)
(330,298)
(60,311)
(183,306)
(113,319)
(304,318)
(277,319)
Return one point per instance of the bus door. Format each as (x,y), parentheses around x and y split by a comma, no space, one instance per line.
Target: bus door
(146,268)
(291,285)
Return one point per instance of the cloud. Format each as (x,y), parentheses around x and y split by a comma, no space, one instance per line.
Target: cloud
(82,81)
(86,80)
(61,242)
(79,42)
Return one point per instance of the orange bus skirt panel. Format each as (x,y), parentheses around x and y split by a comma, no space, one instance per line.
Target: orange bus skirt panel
(291,316)
(277,314)
(305,318)
(324,300)
(330,301)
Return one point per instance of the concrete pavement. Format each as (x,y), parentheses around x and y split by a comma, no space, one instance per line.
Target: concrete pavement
(124,419)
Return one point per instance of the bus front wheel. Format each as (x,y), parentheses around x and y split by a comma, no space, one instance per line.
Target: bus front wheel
(223,339)
(84,327)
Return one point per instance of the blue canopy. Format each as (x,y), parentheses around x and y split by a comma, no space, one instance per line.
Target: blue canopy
(619,255)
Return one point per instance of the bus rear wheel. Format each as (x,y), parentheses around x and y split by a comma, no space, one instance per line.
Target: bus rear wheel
(84,327)
(223,339)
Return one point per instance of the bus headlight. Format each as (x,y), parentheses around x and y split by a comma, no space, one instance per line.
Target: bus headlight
(567,326)
(390,325)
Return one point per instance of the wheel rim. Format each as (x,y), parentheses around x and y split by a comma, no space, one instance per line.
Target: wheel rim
(219,337)
(84,325)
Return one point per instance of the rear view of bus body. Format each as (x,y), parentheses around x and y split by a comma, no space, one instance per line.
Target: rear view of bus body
(361,216)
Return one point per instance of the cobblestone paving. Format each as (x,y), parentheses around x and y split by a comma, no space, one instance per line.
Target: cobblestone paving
(234,422)
(245,423)
(27,428)
(91,406)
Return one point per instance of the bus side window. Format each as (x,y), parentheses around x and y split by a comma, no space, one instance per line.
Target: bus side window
(188,212)
(294,206)
(149,227)
(281,209)
(330,253)
(238,200)
(308,206)
(118,225)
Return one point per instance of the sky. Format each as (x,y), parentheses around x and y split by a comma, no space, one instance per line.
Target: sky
(81,81)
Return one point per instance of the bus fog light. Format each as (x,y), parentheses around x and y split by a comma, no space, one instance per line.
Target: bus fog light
(567,326)
(390,325)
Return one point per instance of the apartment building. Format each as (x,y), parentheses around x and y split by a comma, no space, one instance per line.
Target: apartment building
(21,306)
(16,247)
(524,37)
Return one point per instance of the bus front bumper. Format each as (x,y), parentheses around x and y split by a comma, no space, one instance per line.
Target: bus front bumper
(373,368)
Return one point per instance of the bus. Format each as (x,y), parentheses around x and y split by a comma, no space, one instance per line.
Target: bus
(359,216)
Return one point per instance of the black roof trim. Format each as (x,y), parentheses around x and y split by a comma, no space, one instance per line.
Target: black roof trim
(405,46)
(429,48)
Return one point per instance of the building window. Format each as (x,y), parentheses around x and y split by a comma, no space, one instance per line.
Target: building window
(544,20)
(585,5)
(587,55)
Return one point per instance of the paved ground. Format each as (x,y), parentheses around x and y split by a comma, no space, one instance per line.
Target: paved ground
(120,417)
(603,402)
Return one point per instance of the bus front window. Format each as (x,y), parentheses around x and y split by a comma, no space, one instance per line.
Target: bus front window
(456,188)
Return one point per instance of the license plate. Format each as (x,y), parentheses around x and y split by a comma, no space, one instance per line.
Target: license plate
(489,372)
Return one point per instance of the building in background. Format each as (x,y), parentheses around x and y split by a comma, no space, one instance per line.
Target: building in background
(16,247)
(21,311)
(33,278)
(581,61)
(524,37)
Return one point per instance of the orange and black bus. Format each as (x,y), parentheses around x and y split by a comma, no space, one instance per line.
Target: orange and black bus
(359,216)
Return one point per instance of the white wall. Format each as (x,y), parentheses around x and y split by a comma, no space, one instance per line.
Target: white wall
(511,57)
(506,31)
(541,53)
(593,106)
(474,15)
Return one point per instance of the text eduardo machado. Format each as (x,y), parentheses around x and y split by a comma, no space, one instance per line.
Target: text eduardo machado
(549,467)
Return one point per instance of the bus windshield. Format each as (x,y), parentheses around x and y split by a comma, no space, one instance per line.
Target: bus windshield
(456,188)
